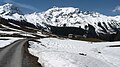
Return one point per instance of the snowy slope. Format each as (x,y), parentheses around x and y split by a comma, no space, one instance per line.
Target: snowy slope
(53,52)
(9,11)
(74,17)
(36,19)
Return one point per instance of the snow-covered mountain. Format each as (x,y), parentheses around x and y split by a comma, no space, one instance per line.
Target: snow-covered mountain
(73,17)
(9,11)
(65,16)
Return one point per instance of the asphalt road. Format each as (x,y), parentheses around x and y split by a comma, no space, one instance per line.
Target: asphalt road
(14,54)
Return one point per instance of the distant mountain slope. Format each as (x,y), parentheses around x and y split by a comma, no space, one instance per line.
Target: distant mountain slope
(12,17)
(9,11)
(73,17)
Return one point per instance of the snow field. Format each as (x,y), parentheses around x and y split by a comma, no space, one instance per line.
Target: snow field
(53,52)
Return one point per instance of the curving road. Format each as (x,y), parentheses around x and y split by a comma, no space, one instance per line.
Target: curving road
(13,55)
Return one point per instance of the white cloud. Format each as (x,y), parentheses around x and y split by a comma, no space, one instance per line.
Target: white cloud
(21,5)
(117,8)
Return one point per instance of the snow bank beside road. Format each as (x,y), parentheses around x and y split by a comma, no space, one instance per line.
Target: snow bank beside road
(6,42)
(53,52)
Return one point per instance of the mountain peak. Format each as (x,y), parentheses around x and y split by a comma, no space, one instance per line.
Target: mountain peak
(8,4)
(9,9)
(66,10)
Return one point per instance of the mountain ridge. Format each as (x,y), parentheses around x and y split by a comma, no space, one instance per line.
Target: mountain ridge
(73,17)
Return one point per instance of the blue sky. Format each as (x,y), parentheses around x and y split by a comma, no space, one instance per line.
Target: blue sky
(107,7)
